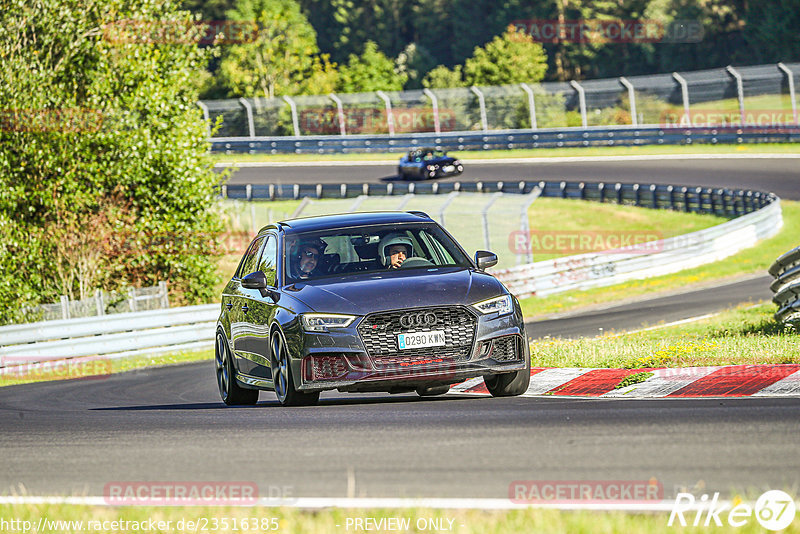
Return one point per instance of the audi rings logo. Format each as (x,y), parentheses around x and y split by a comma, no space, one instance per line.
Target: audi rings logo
(411,320)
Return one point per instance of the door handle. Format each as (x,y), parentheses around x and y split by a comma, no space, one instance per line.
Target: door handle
(245,308)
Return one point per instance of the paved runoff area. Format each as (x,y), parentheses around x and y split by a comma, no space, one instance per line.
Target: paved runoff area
(724,381)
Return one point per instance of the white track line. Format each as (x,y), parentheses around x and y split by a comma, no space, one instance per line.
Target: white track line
(352,503)
(501,161)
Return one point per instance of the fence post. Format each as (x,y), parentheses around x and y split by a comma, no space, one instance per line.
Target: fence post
(739,91)
(251,128)
(162,288)
(581,101)
(389,116)
(447,201)
(790,77)
(98,300)
(525,225)
(531,104)
(485,217)
(132,299)
(482,104)
(340,112)
(685,96)
(631,99)
(293,109)
(64,307)
(435,104)
(205,115)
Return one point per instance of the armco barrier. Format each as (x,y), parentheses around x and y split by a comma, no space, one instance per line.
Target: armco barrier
(508,139)
(786,286)
(586,271)
(175,328)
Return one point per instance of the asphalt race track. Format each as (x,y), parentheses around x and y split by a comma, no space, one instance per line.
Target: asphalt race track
(169,425)
(74,437)
(780,176)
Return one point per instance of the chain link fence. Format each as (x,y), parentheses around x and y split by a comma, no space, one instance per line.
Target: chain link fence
(760,95)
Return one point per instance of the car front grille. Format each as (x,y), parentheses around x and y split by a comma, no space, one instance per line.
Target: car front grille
(506,348)
(379,333)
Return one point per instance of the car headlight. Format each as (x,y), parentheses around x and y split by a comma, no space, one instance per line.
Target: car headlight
(500,305)
(320,322)
(431,167)
(456,162)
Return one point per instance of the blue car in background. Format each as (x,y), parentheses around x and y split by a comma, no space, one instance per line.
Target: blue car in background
(425,163)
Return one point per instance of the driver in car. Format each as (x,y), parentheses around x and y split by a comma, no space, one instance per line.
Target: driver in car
(395,249)
(307,258)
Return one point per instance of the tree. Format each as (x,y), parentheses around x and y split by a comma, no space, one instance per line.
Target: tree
(371,71)
(415,61)
(280,59)
(509,58)
(443,78)
(105,175)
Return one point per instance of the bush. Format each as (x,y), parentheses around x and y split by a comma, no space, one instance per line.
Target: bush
(105,175)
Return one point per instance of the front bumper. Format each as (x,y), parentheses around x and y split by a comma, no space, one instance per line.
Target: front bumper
(340,360)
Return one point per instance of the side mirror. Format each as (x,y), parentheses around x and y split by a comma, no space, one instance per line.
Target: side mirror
(256,280)
(485,259)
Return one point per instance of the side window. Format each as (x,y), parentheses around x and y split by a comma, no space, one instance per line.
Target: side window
(248,263)
(269,260)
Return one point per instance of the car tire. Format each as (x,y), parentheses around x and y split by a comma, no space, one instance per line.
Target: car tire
(282,379)
(432,391)
(230,392)
(509,384)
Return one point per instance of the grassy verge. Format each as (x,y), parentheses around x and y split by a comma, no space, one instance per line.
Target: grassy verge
(755,259)
(336,520)
(530,153)
(97,368)
(744,335)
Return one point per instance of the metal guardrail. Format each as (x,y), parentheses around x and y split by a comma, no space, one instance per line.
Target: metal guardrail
(111,335)
(786,286)
(509,139)
(657,258)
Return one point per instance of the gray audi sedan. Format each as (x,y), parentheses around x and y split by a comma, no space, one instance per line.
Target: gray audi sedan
(363,302)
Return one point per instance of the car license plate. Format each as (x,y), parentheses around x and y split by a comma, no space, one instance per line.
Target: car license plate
(415,340)
(449,168)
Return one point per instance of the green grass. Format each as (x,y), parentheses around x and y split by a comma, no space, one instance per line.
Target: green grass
(745,335)
(530,153)
(326,521)
(756,259)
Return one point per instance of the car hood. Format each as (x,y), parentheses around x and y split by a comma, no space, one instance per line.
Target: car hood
(366,293)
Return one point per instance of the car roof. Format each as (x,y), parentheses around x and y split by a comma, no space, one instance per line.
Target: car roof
(344,220)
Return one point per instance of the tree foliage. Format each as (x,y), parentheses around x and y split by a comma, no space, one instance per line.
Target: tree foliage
(284,57)
(370,71)
(509,58)
(105,177)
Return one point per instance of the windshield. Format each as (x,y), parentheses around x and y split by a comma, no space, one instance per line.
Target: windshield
(365,249)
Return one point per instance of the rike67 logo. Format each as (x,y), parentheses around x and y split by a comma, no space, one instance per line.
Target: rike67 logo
(774,510)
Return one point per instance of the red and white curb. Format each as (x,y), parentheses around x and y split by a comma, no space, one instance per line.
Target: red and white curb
(684,382)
